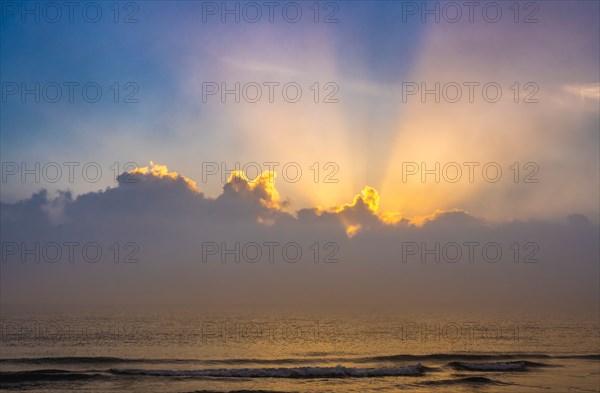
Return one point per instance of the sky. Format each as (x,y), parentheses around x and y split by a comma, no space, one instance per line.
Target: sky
(481,125)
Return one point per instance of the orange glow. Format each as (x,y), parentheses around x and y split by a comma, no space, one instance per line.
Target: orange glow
(268,195)
(264,182)
(161,171)
(351,230)
(369,196)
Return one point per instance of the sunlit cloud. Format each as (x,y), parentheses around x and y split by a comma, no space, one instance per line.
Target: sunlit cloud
(161,171)
(263,186)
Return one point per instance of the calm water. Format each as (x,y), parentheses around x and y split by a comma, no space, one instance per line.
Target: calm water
(281,352)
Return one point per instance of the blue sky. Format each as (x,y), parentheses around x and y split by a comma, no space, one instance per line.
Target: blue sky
(368,53)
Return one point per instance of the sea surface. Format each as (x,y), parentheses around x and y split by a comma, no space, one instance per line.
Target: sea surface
(193,351)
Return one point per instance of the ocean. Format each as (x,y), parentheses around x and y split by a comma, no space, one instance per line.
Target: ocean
(193,351)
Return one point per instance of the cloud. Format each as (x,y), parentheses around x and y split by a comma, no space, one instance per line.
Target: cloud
(261,188)
(243,249)
(156,173)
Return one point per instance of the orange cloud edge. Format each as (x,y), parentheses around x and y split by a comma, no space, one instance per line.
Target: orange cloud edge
(367,201)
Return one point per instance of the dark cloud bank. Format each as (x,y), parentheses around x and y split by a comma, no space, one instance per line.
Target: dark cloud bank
(169,222)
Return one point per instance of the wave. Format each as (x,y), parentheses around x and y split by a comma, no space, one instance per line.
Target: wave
(72,360)
(589,356)
(45,375)
(273,361)
(238,391)
(305,360)
(474,356)
(475,380)
(457,356)
(497,366)
(295,372)
(89,360)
